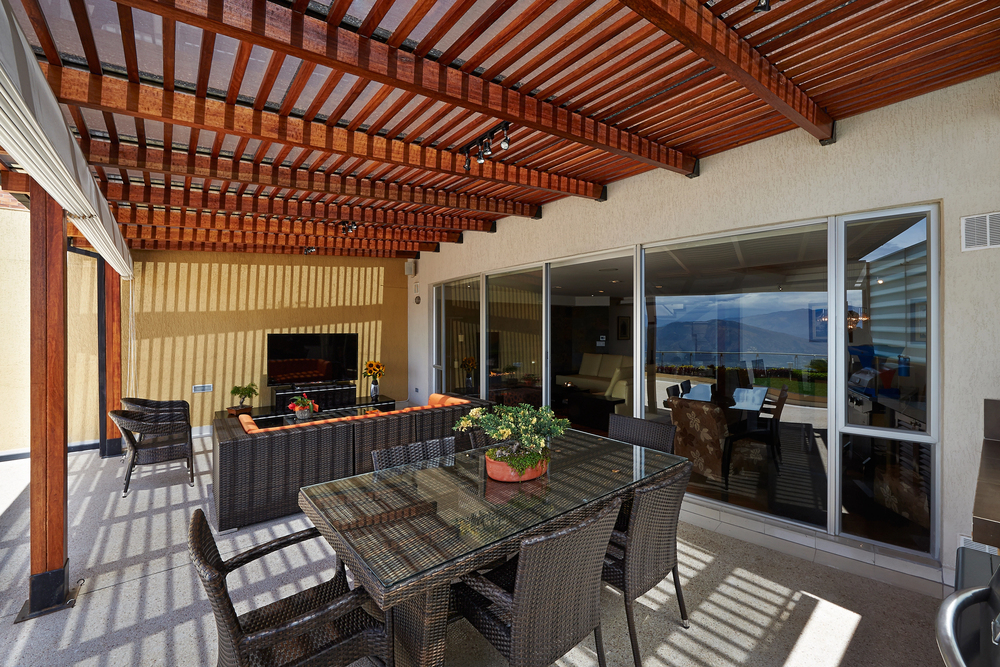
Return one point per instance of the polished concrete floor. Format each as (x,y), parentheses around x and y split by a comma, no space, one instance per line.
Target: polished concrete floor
(142,603)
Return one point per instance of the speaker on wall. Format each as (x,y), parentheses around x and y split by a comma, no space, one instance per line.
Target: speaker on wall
(411,267)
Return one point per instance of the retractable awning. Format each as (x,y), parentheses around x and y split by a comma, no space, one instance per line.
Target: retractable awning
(34,133)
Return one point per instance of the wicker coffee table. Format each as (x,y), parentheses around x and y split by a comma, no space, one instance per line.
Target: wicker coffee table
(407,532)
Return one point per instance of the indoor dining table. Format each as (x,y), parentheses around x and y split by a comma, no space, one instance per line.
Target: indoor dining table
(406,533)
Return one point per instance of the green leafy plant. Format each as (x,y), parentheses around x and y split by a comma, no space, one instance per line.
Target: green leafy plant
(524,430)
(244,392)
(302,402)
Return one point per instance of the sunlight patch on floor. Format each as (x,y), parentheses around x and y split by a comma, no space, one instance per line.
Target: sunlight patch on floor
(826,636)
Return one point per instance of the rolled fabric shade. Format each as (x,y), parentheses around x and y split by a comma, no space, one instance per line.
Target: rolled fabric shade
(51,156)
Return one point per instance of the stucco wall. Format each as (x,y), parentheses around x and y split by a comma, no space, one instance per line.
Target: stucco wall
(202,318)
(14,300)
(942,147)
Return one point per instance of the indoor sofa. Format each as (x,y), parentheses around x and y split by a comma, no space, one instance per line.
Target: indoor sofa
(257,472)
(599,372)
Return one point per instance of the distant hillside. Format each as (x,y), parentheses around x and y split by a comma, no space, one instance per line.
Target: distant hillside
(736,337)
(793,322)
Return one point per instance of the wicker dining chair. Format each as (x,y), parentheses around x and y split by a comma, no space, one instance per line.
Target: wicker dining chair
(390,457)
(325,624)
(639,559)
(163,436)
(151,405)
(642,432)
(541,604)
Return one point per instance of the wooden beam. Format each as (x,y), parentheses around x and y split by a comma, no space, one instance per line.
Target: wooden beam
(126,156)
(695,26)
(314,211)
(15,183)
(149,244)
(279,28)
(149,217)
(48,394)
(113,95)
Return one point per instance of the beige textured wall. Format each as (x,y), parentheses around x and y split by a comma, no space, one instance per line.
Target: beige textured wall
(202,318)
(82,377)
(81,327)
(14,301)
(942,147)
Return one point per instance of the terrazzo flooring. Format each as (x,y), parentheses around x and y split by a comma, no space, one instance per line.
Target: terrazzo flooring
(142,603)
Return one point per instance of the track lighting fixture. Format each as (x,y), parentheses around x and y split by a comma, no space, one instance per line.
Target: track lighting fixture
(762,6)
(348,227)
(309,250)
(483,144)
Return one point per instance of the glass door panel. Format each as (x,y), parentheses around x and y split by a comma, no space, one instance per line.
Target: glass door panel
(514,343)
(887,480)
(591,340)
(740,323)
(461,323)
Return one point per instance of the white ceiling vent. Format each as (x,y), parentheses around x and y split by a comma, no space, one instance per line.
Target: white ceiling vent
(981,231)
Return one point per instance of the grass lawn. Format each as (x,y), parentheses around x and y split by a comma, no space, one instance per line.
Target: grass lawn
(794,386)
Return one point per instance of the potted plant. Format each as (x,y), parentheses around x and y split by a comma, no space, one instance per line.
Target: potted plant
(303,407)
(524,432)
(530,380)
(243,393)
(469,366)
(374,370)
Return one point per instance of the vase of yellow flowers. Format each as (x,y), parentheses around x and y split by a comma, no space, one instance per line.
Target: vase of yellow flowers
(469,366)
(374,370)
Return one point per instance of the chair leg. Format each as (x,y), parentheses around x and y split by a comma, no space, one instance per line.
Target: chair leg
(630,617)
(599,643)
(390,632)
(680,598)
(128,473)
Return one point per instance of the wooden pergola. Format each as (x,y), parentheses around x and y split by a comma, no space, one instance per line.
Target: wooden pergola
(355,127)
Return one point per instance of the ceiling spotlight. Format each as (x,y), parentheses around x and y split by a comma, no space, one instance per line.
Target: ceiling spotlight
(505,142)
(880,281)
(480,158)
(763,6)
(468,162)
(487,148)
(310,250)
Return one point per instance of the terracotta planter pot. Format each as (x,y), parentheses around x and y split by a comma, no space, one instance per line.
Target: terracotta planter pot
(501,472)
(501,493)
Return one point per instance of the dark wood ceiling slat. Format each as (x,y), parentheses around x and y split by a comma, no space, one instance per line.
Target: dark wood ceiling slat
(515,25)
(375,16)
(418,10)
(298,83)
(323,95)
(694,26)
(169,53)
(267,83)
(128,42)
(41,27)
(476,30)
(82,18)
(206,55)
(457,10)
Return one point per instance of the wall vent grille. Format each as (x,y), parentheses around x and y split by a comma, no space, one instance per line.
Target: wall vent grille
(966,541)
(981,231)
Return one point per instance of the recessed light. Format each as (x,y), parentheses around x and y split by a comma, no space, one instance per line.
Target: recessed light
(615,282)
(658,286)
(600,291)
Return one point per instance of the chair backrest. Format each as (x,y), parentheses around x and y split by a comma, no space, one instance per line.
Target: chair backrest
(655,435)
(149,423)
(651,546)
(779,405)
(673,390)
(150,405)
(557,595)
(701,434)
(414,452)
(685,386)
(211,570)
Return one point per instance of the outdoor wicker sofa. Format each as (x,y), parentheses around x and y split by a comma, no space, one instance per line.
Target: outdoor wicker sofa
(256,475)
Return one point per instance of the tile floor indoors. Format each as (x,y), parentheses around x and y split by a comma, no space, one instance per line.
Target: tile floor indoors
(142,603)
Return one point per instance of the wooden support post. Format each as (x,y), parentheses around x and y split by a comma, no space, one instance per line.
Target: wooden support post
(110,355)
(49,586)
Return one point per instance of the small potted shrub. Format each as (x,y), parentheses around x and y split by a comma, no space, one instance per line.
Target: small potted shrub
(523,432)
(303,407)
(243,392)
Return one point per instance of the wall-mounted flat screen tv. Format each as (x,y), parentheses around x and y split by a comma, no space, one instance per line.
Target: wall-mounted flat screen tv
(299,358)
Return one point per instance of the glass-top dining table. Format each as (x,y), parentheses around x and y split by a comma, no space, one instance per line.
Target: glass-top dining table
(407,532)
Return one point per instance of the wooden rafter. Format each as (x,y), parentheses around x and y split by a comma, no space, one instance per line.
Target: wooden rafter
(147,216)
(113,95)
(127,156)
(315,211)
(281,29)
(696,27)
(388,250)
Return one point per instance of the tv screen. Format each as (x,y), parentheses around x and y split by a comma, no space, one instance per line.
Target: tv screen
(298,358)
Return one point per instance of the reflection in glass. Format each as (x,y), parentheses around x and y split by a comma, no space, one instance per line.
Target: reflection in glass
(514,323)
(742,323)
(591,341)
(461,338)
(887,491)
(886,283)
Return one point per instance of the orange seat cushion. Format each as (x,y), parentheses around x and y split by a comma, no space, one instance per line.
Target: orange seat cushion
(248,424)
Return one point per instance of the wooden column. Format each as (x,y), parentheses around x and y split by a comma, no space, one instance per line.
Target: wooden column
(109,313)
(49,588)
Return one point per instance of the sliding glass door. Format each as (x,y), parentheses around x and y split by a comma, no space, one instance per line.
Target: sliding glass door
(740,324)
(515,354)
(461,324)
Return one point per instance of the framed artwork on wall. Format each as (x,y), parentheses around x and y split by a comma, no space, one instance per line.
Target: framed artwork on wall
(624,327)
